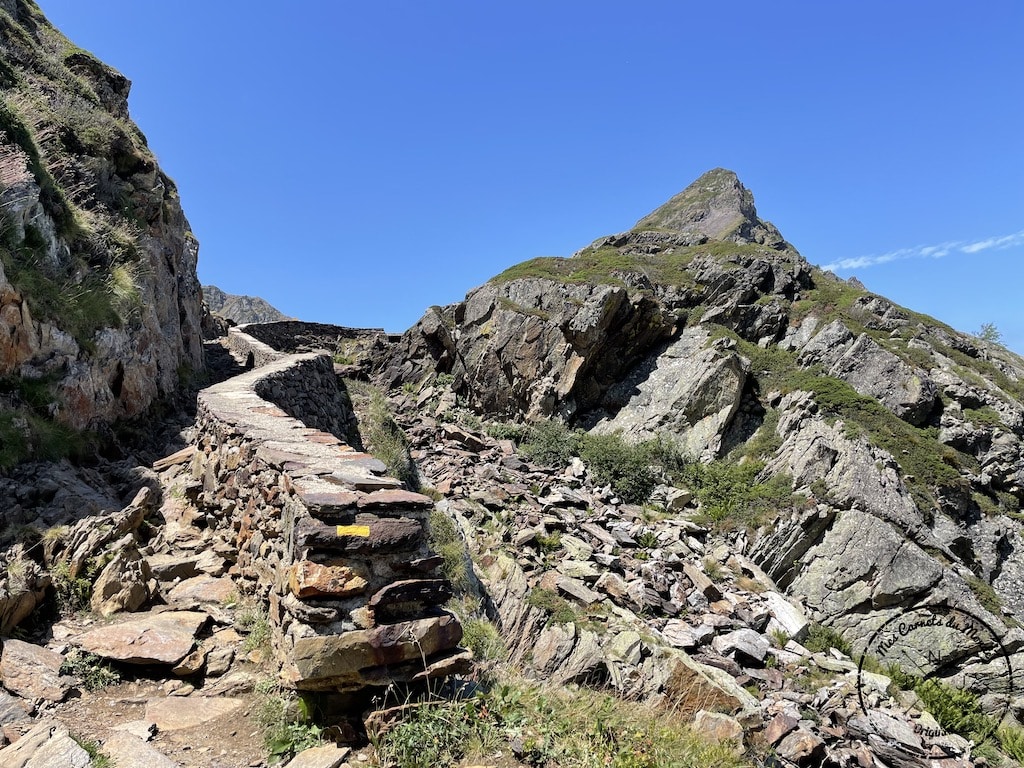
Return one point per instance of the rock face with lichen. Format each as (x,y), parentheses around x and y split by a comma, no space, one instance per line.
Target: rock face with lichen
(99,302)
(898,437)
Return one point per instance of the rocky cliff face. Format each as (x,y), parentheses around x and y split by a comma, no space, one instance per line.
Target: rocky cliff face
(899,437)
(99,302)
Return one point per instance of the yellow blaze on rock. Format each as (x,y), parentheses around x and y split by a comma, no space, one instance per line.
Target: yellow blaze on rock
(354,530)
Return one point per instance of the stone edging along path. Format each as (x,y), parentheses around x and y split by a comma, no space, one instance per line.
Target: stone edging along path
(336,548)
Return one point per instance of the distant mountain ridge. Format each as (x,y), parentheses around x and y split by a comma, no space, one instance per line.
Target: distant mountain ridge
(241,309)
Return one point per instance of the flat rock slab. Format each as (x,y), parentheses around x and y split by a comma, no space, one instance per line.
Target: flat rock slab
(48,745)
(203,589)
(33,672)
(128,751)
(327,756)
(11,709)
(178,712)
(160,638)
(745,644)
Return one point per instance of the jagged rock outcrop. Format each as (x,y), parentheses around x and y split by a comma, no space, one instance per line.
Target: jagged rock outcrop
(899,437)
(241,309)
(99,302)
(718,207)
(565,337)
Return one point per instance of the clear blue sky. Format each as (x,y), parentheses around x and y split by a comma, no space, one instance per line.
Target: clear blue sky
(357,162)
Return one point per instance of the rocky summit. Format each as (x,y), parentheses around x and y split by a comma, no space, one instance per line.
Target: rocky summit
(241,309)
(679,499)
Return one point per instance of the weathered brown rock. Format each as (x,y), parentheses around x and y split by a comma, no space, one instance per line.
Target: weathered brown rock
(779,726)
(161,638)
(203,589)
(47,745)
(367,534)
(124,584)
(175,714)
(308,579)
(33,672)
(801,748)
(330,660)
(129,751)
(718,727)
(404,600)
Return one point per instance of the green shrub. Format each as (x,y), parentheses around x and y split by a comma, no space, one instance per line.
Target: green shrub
(380,434)
(552,444)
(548,543)
(444,539)
(483,638)
(984,417)
(287,724)
(626,468)
(730,495)
(1011,740)
(559,610)
(954,709)
(72,593)
(820,638)
(94,672)
(508,430)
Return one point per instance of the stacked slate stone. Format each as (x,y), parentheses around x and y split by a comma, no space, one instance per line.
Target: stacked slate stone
(336,548)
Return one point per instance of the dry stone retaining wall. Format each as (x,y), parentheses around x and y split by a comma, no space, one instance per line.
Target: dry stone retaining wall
(336,548)
(298,336)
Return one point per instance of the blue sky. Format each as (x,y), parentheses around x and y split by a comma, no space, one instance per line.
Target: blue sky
(357,162)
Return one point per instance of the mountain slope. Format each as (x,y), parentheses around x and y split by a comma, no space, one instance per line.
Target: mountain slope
(897,438)
(98,292)
(241,309)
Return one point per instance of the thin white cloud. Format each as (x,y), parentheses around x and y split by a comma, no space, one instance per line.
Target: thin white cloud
(929,252)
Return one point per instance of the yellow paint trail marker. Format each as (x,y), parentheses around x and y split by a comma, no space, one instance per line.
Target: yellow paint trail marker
(354,530)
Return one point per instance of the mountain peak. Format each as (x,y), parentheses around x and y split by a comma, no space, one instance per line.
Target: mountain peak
(718,206)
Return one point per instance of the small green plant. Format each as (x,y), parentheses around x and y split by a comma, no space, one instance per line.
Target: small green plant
(97,759)
(550,727)
(647,540)
(94,673)
(72,593)
(548,543)
(287,724)
(254,620)
(483,638)
(558,609)
(820,638)
(986,594)
(713,569)
(444,539)
(779,638)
